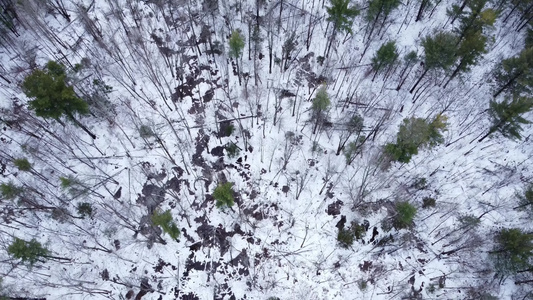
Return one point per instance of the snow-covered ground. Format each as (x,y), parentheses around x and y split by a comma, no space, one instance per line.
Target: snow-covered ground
(280,238)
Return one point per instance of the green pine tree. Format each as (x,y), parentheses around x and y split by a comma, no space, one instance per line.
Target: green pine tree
(471,48)
(525,199)
(10,191)
(22,164)
(320,107)
(413,134)
(475,21)
(405,213)
(512,251)
(164,219)
(385,58)
(507,116)
(51,97)
(378,11)
(223,195)
(341,14)
(424,5)
(515,74)
(30,252)
(236,44)
(440,53)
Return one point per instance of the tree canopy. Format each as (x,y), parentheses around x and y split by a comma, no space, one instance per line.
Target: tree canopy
(27,251)
(50,94)
(236,44)
(342,15)
(513,250)
(507,116)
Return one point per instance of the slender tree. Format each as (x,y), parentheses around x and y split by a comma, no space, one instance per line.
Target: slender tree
(469,52)
(515,74)
(353,126)
(236,45)
(377,13)
(476,20)
(507,116)
(439,53)
(385,58)
(320,107)
(512,251)
(341,15)
(30,252)
(52,97)
(424,5)
(413,134)
(409,60)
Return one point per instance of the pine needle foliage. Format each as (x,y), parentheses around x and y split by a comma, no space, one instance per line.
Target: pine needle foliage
(22,164)
(507,116)
(10,190)
(385,57)
(513,250)
(413,134)
(27,251)
(342,15)
(223,195)
(405,213)
(51,96)
(440,51)
(164,219)
(525,199)
(514,75)
(236,44)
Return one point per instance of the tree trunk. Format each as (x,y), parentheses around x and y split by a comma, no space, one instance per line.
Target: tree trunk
(486,135)
(454,73)
(75,121)
(460,11)
(418,81)
(373,25)
(421,10)
(511,81)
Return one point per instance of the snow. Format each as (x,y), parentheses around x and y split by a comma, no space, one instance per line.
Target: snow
(289,240)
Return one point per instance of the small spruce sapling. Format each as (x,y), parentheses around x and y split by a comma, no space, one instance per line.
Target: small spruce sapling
(164,219)
(22,164)
(320,107)
(10,190)
(223,195)
(30,252)
(405,213)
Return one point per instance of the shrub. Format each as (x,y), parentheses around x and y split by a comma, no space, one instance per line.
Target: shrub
(167,224)
(232,149)
(85,210)
(10,190)
(428,202)
(223,194)
(26,251)
(22,164)
(345,237)
(405,214)
(415,133)
(362,284)
(67,182)
(420,184)
(146,131)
